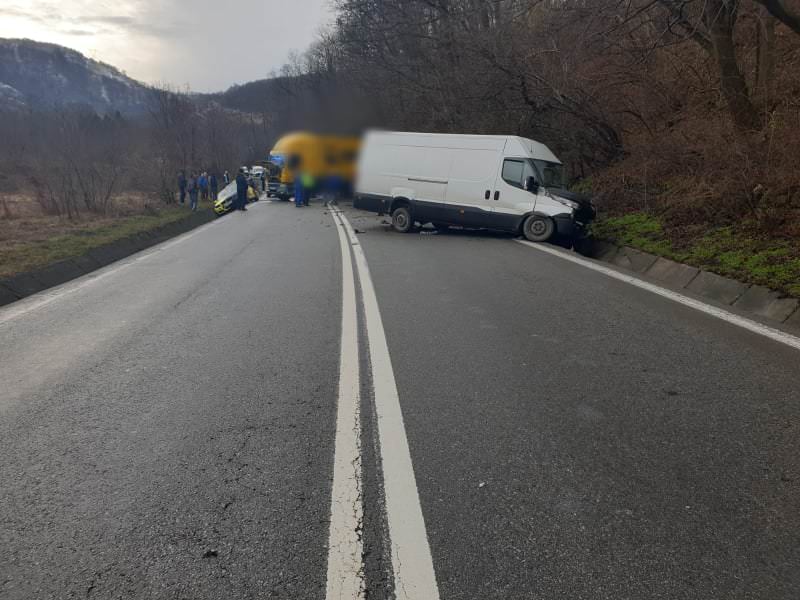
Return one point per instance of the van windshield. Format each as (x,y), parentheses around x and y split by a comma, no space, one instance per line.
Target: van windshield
(552,173)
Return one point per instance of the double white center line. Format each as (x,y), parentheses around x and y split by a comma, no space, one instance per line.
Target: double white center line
(412,565)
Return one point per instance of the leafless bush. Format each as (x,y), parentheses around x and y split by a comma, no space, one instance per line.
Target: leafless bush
(75,162)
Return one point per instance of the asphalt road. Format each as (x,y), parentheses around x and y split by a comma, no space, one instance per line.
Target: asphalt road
(167,427)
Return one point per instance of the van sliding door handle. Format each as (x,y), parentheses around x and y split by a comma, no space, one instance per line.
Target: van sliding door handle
(497,195)
(487,194)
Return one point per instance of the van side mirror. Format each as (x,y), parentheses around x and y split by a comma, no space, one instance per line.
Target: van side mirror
(531,185)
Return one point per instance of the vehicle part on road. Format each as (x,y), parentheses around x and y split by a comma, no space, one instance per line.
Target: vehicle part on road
(401,220)
(537,228)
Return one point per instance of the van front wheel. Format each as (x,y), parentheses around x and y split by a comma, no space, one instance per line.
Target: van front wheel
(401,220)
(538,229)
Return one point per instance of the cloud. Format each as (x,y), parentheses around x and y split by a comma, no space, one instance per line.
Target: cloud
(77,22)
(78,32)
(206,44)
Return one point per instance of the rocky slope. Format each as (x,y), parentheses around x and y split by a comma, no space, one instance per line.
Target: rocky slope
(39,75)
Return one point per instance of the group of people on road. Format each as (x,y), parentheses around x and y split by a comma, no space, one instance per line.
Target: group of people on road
(198,186)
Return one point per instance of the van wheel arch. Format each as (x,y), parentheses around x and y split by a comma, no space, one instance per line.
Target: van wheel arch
(398,202)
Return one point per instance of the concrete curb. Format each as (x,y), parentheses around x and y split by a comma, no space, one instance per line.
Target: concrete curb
(755,299)
(29,283)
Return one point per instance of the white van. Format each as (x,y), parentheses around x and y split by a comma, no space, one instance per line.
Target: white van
(506,183)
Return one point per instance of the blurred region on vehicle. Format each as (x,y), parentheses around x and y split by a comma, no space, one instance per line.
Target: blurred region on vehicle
(331,160)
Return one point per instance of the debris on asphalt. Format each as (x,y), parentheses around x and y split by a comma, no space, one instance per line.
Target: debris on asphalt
(428,232)
(210,554)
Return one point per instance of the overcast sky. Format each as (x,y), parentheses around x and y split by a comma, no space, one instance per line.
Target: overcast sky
(205,44)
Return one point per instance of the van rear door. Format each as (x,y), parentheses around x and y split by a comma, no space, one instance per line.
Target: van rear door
(423,171)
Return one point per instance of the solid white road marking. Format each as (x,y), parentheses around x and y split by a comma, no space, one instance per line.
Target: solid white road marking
(414,576)
(345,554)
(45,297)
(754,326)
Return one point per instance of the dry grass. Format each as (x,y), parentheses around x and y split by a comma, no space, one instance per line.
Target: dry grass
(29,239)
(22,219)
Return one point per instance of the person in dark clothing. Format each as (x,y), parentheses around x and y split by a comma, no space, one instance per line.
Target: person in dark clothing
(194,189)
(214,185)
(226,178)
(182,186)
(241,191)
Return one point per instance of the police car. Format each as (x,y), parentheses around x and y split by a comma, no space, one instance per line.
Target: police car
(227,196)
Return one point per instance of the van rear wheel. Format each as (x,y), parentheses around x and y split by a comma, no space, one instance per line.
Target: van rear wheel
(401,220)
(538,229)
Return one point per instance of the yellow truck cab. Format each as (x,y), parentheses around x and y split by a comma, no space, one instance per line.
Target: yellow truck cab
(328,159)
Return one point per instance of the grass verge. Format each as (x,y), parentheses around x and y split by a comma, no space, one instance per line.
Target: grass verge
(30,255)
(739,252)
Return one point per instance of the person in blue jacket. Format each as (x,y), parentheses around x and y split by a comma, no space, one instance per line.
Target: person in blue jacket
(202,182)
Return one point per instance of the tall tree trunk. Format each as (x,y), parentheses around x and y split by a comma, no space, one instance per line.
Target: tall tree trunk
(722,16)
(766,55)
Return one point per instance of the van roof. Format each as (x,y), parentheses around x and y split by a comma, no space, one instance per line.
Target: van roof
(512,143)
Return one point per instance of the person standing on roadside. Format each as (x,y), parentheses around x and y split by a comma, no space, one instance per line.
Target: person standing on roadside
(241,190)
(182,186)
(203,183)
(193,188)
(213,185)
(306,186)
(226,178)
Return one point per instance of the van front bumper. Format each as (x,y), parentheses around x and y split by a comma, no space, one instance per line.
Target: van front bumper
(565,225)
(568,227)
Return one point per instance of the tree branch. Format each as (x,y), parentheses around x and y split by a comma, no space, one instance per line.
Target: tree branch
(779,10)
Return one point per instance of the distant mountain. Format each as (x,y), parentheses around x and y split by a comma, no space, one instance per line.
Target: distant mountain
(253,96)
(41,75)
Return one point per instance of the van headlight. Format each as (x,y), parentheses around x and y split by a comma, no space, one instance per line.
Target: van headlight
(570,203)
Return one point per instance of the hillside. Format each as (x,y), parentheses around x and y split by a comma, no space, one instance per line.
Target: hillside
(41,75)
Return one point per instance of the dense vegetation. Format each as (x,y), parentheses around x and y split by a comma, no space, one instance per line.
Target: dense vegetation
(686,108)
(74,162)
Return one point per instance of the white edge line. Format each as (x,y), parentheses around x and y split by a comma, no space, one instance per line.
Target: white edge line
(729,317)
(345,549)
(412,563)
(45,297)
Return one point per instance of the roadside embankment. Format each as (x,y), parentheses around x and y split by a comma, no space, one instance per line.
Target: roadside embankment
(735,267)
(31,267)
